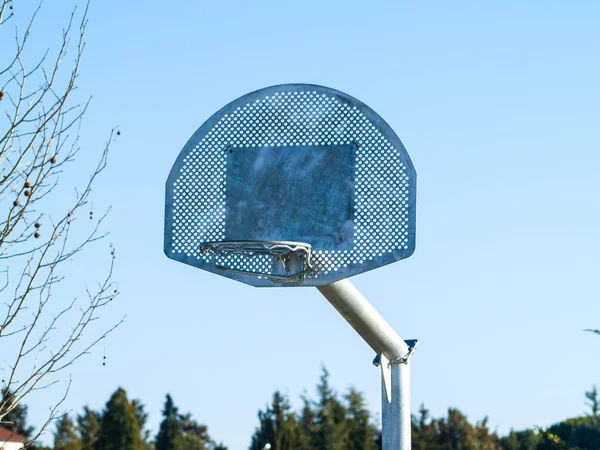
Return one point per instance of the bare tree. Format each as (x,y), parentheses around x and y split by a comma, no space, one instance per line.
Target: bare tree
(43,328)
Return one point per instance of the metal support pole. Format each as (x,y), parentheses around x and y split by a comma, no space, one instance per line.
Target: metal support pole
(394,355)
(395,416)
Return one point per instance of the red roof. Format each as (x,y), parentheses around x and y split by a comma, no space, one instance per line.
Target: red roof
(9,436)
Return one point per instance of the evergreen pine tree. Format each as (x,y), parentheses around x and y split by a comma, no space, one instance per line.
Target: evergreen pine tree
(142,417)
(88,425)
(576,433)
(523,440)
(306,425)
(265,433)
(511,442)
(16,419)
(65,436)
(119,428)
(192,442)
(286,424)
(456,433)
(361,434)
(169,436)
(424,431)
(278,426)
(484,440)
(593,401)
(219,446)
(331,430)
(195,435)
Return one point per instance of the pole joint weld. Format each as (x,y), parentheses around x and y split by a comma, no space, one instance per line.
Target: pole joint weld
(412,345)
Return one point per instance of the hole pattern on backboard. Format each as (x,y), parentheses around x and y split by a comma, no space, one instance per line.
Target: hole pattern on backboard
(295,118)
(256,264)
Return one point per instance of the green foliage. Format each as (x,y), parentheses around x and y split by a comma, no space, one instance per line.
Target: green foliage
(361,433)
(551,440)
(327,422)
(119,428)
(324,424)
(331,432)
(65,435)
(88,426)
(192,442)
(424,431)
(578,432)
(219,446)
(277,426)
(555,441)
(522,440)
(142,417)
(169,434)
(196,434)
(182,432)
(593,401)
(453,432)
(306,425)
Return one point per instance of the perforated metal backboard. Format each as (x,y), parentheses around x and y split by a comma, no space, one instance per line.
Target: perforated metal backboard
(294,162)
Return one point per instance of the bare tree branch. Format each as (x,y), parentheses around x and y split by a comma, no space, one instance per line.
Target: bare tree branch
(41,333)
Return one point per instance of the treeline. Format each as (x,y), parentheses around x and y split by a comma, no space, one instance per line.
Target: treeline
(121,425)
(327,422)
(331,422)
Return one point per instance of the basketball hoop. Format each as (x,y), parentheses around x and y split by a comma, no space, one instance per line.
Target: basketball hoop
(302,185)
(279,261)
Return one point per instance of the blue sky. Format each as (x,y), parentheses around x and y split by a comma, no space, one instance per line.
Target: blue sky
(498,106)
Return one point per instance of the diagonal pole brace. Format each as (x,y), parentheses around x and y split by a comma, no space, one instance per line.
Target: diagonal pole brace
(393,356)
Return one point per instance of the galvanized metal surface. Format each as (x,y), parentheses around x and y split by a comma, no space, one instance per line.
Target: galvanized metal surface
(394,359)
(296,163)
(412,346)
(305,191)
(395,415)
(363,317)
(285,262)
(385,365)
